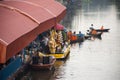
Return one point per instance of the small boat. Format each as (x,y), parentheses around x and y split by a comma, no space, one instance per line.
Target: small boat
(61,55)
(103,30)
(48,63)
(98,35)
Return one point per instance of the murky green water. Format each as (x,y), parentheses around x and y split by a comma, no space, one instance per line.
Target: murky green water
(92,59)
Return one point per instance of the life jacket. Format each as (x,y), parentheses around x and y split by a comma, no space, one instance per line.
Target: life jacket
(94,32)
(74,37)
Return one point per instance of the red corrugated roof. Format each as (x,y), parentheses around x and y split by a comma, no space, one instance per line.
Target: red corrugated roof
(52,6)
(22,21)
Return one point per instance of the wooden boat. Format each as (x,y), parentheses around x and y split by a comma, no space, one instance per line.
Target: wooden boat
(103,30)
(61,55)
(98,35)
(42,65)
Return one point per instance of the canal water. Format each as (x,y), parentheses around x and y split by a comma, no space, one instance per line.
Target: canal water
(93,59)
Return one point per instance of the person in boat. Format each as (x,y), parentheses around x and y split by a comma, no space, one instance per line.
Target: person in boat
(42,45)
(35,58)
(41,55)
(69,34)
(81,35)
(64,33)
(59,37)
(59,41)
(52,44)
(91,27)
(94,32)
(102,27)
(74,37)
(53,33)
(88,32)
(45,40)
(65,45)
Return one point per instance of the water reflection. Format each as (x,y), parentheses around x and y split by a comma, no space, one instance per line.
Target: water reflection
(98,59)
(117,3)
(81,13)
(39,75)
(93,59)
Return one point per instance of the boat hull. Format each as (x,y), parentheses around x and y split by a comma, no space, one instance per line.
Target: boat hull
(104,30)
(98,35)
(43,66)
(61,55)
